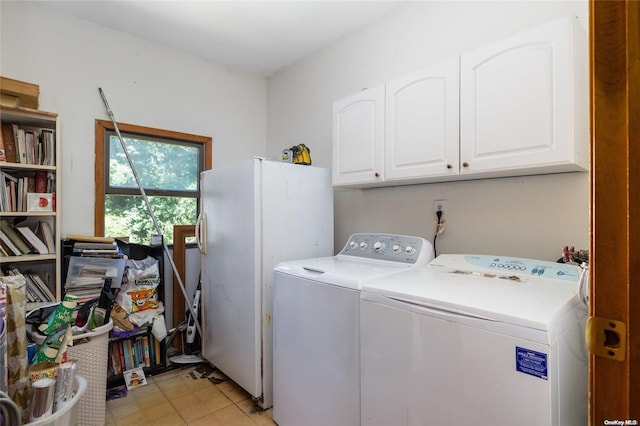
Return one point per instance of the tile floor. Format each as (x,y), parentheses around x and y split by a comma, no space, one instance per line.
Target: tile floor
(177,398)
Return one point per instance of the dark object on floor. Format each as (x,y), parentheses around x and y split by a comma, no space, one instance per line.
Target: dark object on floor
(117,392)
(206,371)
(215,380)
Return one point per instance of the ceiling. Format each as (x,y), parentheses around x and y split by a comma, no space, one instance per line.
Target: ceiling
(256,36)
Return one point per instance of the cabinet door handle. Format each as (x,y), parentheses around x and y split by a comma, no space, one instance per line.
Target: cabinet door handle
(449,166)
(465,164)
(377,174)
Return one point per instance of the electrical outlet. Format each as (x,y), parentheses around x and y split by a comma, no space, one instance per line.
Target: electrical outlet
(440,206)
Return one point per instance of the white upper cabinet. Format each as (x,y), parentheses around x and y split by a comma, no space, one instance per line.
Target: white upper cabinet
(421,135)
(518,106)
(523,103)
(358,138)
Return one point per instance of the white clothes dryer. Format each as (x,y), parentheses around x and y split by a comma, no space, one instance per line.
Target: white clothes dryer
(316,326)
(468,339)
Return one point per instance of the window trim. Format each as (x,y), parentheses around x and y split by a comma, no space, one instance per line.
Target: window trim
(101,127)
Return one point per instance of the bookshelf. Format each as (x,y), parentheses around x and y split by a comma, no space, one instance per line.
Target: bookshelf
(141,349)
(143,342)
(30,178)
(127,350)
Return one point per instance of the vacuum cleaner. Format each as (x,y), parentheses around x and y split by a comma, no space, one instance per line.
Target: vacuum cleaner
(190,330)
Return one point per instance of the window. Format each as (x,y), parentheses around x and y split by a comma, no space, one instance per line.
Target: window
(168,165)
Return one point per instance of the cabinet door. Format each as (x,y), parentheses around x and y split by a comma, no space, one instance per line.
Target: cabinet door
(523,103)
(358,138)
(421,135)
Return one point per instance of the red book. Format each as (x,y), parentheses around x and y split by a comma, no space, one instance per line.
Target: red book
(9,143)
(145,346)
(41,181)
(121,353)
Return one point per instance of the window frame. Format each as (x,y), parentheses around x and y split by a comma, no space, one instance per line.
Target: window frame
(104,126)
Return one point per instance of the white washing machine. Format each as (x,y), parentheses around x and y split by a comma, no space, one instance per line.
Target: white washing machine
(316,326)
(480,340)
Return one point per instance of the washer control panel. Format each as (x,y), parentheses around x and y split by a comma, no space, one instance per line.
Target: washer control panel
(391,247)
(523,267)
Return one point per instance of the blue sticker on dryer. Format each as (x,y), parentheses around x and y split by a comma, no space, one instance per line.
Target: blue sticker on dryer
(531,362)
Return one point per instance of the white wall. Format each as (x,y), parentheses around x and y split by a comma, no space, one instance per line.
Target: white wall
(528,216)
(145,83)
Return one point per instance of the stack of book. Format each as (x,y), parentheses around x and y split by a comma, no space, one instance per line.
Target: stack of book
(37,290)
(94,260)
(81,248)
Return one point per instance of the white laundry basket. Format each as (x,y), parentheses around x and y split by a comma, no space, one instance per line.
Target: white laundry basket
(91,351)
(66,415)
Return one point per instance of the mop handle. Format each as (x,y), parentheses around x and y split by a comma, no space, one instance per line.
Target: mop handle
(148,204)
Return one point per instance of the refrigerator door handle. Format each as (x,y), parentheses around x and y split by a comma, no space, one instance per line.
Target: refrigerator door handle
(201,232)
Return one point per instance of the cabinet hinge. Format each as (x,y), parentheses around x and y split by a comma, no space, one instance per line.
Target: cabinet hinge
(606,338)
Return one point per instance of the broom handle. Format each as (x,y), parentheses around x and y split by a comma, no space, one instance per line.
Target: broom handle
(153,216)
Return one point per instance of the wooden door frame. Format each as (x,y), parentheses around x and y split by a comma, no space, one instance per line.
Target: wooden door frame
(614,386)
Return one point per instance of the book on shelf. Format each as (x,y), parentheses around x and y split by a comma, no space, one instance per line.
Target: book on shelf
(42,286)
(115,356)
(126,349)
(15,238)
(38,245)
(47,236)
(8,246)
(38,295)
(30,141)
(152,355)
(41,181)
(3,154)
(142,360)
(8,192)
(49,147)
(9,143)
(147,354)
(20,195)
(121,354)
(135,352)
(21,146)
(36,290)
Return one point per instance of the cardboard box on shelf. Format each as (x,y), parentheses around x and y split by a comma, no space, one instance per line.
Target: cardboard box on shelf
(19,93)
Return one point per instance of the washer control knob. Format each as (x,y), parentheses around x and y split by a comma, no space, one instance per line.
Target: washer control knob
(378,246)
(363,245)
(396,249)
(410,250)
(353,245)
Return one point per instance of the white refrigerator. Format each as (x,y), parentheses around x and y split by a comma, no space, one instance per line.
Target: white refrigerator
(257,213)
